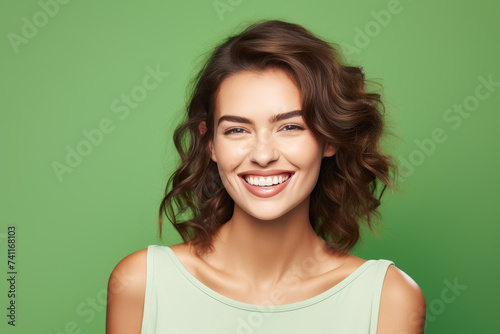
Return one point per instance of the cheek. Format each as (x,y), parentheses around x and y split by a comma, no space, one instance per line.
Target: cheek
(229,155)
(304,153)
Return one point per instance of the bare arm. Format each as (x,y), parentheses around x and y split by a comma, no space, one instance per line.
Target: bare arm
(402,305)
(126,291)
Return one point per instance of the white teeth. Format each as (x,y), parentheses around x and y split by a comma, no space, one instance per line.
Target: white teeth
(266,181)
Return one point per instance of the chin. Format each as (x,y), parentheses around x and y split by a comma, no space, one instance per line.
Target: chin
(268,213)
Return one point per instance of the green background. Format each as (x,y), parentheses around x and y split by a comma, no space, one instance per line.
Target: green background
(441,227)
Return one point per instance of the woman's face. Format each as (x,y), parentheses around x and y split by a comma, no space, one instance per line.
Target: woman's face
(267,158)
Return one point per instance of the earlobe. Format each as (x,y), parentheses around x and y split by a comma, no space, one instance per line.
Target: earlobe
(329,150)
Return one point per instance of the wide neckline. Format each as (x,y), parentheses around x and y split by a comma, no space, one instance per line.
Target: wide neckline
(266,308)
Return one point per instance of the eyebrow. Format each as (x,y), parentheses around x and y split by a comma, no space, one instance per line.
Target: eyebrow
(273,119)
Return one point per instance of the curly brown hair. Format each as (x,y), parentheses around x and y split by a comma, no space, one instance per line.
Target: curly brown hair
(338,110)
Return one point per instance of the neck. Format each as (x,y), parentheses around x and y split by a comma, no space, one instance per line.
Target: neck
(263,253)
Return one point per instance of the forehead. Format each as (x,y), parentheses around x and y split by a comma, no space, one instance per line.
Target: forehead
(254,94)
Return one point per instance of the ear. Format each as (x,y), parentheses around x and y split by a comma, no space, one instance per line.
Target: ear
(202,127)
(329,150)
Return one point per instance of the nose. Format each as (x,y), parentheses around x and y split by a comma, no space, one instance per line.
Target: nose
(263,151)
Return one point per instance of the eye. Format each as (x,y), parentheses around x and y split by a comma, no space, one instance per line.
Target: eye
(234,131)
(292,127)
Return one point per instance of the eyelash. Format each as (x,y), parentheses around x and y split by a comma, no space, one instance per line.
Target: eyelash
(295,126)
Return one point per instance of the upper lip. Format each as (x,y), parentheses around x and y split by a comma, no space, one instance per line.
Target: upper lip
(269,172)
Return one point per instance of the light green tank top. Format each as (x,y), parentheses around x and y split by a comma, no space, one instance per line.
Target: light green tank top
(177,302)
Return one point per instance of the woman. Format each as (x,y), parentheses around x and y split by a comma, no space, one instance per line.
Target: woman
(280,163)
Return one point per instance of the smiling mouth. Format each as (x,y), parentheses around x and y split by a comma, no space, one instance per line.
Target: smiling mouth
(266,181)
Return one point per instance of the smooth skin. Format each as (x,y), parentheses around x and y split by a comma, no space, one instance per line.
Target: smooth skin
(273,235)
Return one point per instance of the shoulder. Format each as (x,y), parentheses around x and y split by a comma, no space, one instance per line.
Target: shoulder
(402,304)
(126,294)
(130,273)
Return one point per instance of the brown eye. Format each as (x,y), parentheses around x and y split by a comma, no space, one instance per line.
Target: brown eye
(292,127)
(234,130)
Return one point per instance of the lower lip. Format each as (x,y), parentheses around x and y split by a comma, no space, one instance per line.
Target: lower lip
(265,192)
